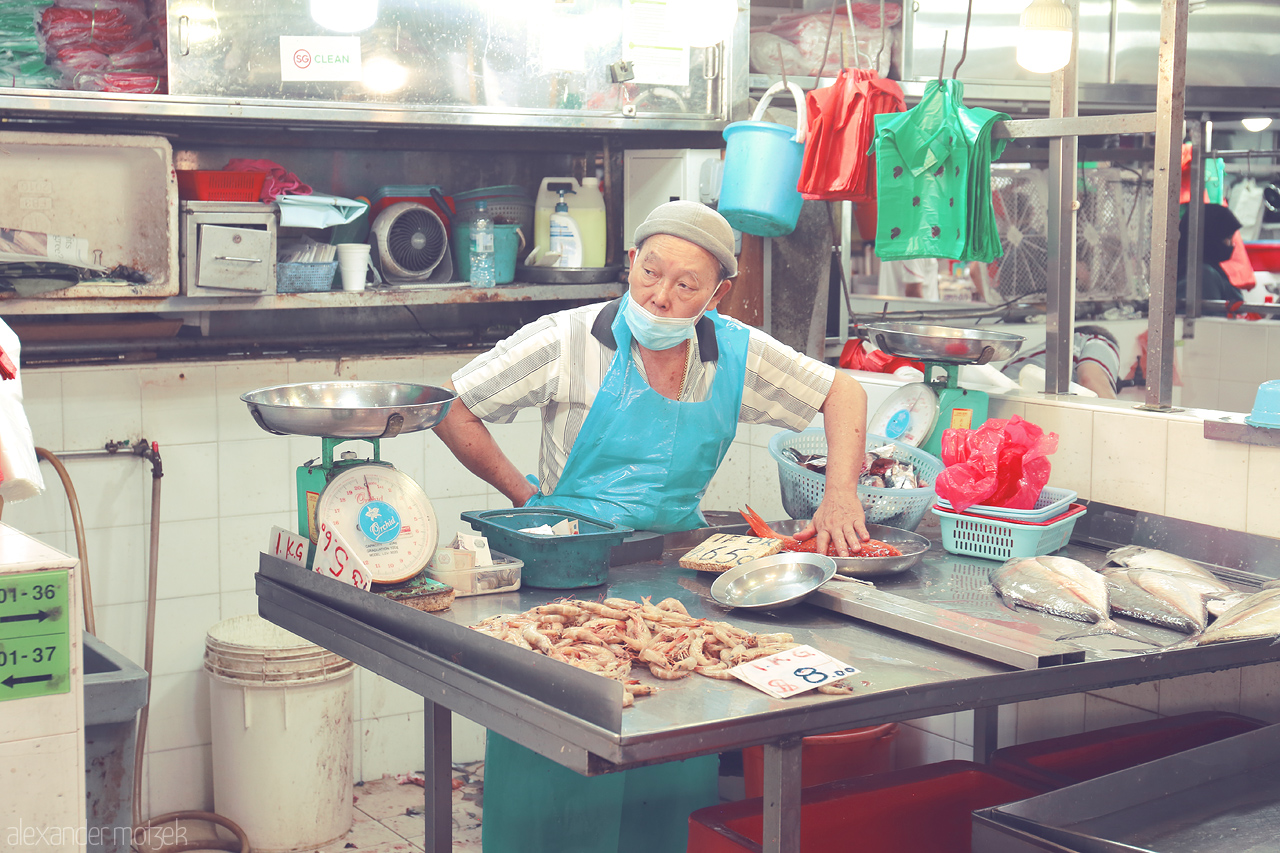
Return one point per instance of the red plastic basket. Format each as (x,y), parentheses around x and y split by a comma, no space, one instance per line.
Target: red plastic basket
(211,185)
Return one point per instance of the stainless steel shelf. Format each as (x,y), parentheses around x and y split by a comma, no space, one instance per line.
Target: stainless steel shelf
(58,105)
(444,294)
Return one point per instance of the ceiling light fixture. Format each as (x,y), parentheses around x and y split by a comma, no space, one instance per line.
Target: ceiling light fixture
(1256,125)
(1044,38)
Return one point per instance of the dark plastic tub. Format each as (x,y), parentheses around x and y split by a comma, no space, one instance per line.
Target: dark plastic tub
(552,562)
(919,809)
(1061,761)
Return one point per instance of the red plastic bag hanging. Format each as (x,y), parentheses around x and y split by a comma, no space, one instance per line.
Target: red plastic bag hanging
(1001,463)
(841,127)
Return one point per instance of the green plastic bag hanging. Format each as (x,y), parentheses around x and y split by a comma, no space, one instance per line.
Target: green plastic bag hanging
(933,173)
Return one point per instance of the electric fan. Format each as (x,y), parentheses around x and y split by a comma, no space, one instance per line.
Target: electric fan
(410,245)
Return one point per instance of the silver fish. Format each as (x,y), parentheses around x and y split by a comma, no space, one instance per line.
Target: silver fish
(1157,597)
(1139,557)
(1220,604)
(1061,587)
(1256,616)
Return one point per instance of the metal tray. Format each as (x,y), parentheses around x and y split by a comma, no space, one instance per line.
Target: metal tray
(1220,797)
(568,275)
(912,545)
(943,343)
(348,409)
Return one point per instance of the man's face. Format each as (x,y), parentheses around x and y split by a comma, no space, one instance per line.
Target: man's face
(671,277)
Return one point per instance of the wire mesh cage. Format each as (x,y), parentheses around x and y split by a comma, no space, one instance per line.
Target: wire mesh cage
(1113,228)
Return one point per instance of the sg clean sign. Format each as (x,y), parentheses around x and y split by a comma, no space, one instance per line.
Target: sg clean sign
(309,58)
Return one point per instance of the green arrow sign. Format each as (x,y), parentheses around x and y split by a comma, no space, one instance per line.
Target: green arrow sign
(34,635)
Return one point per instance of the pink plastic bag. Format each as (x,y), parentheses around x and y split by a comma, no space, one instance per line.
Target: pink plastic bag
(1001,463)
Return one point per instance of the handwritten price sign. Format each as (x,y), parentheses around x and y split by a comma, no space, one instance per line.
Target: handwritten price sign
(792,672)
(335,558)
(289,547)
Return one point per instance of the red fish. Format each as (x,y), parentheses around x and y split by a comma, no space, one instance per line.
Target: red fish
(869,548)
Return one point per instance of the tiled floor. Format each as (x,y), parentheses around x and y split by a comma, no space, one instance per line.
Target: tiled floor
(388,814)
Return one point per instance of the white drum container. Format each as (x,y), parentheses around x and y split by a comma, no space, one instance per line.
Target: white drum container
(281,711)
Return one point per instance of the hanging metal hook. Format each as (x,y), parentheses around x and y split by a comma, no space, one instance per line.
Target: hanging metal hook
(942,63)
(882,37)
(782,65)
(964,52)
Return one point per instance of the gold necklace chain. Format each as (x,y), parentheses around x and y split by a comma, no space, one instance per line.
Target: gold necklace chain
(688,363)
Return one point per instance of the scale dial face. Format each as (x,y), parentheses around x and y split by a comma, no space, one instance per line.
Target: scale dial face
(385,518)
(908,415)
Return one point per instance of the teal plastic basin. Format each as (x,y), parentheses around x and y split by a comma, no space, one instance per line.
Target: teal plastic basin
(552,562)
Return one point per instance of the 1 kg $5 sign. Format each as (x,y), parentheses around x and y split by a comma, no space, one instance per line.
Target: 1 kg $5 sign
(790,673)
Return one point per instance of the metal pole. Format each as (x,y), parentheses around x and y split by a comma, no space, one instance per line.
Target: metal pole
(437,774)
(1060,297)
(1195,227)
(986,733)
(782,796)
(1171,107)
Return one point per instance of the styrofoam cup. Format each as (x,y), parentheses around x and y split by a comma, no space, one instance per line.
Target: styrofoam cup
(353,261)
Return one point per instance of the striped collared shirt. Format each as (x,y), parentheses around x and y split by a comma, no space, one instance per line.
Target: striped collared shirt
(559,361)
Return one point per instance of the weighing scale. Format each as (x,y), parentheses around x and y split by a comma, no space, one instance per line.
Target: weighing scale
(918,413)
(384,515)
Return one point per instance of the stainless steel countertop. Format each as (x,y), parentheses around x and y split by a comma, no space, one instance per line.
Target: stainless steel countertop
(901,677)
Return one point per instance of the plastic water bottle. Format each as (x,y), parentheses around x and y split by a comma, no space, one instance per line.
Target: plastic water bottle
(483,272)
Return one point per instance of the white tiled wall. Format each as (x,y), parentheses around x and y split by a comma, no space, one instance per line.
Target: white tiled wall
(226,483)
(1226,361)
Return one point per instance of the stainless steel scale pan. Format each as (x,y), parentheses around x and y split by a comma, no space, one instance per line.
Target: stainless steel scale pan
(348,409)
(943,344)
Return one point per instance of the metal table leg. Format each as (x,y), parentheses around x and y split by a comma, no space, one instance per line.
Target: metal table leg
(438,778)
(986,733)
(782,796)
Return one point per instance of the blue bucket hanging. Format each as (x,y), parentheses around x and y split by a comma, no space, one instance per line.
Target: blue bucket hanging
(762,170)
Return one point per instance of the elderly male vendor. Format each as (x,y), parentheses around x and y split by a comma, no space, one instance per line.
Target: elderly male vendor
(642,396)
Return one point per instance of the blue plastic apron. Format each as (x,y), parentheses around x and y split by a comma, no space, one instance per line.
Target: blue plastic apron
(642,459)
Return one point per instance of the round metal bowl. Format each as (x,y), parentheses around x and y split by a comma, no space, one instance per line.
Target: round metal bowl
(912,545)
(348,409)
(944,343)
(773,582)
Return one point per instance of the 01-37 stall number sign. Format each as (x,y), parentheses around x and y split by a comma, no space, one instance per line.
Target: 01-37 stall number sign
(792,672)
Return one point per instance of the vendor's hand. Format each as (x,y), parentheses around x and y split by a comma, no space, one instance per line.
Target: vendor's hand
(840,522)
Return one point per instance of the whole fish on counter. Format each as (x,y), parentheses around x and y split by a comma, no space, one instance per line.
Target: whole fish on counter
(1140,557)
(1256,616)
(1061,587)
(1157,597)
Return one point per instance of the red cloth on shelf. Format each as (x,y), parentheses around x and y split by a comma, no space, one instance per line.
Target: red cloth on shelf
(279,181)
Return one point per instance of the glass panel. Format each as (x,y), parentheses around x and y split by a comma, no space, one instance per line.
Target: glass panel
(489,55)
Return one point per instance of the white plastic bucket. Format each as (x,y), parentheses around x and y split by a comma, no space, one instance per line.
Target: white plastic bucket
(280,713)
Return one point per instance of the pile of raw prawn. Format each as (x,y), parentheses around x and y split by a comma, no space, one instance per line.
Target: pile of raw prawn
(870,548)
(607,637)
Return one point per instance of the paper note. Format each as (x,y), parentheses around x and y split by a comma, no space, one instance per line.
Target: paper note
(335,559)
(792,672)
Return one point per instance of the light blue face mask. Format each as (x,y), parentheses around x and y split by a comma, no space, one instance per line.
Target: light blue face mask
(659,333)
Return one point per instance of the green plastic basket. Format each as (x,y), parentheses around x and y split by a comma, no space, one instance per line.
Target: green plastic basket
(551,562)
(995,539)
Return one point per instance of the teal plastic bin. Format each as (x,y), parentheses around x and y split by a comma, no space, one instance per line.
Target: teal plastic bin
(533,805)
(551,562)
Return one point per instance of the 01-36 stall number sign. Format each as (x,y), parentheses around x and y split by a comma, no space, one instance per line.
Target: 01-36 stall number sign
(792,672)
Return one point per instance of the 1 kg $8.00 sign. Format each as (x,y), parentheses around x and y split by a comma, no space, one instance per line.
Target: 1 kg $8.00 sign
(792,672)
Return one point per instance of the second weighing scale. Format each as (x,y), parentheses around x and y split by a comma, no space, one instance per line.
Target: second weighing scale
(384,515)
(918,413)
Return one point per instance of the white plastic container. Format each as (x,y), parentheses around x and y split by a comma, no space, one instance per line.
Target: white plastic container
(566,238)
(586,206)
(281,720)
